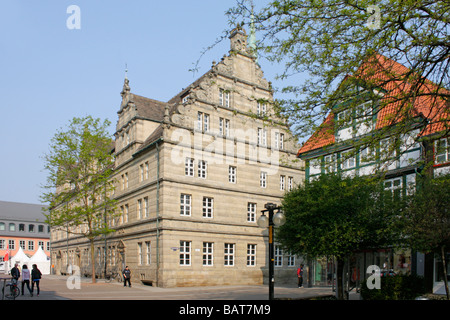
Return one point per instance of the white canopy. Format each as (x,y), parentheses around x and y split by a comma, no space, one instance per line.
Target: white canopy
(41,260)
(20,258)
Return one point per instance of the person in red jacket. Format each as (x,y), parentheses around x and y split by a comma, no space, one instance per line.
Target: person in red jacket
(300,276)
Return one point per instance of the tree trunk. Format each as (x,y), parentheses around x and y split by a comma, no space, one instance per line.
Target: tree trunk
(92,259)
(444,269)
(339,279)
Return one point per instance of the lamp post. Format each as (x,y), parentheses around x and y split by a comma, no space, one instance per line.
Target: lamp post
(277,219)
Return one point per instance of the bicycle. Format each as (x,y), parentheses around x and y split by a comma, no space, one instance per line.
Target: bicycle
(14,290)
(113,276)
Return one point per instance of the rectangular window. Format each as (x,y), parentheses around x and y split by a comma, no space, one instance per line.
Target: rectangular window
(202,169)
(251,212)
(125,216)
(442,150)
(278,256)
(185,253)
(229,254)
(189,167)
(148,252)
(394,186)
(344,118)
(282,183)
(203,121)
(140,254)
(251,255)
(262,137)
(330,163)
(366,155)
(263,179)
(387,149)
(139,209)
(279,141)
(232,174)
(291,259)
(290,183)
(208,253)
(261,109)
(22,244)
(347,160)
(224,98)
(224,127)
(146,170)
(185,205)
(208,207)
(146,208)
(30,245)
(141,172)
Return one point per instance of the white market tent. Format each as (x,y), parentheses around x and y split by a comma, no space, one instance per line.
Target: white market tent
(41,260)
(20,258)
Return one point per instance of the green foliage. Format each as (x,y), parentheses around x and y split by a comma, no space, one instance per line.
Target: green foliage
(425,223)
(78,189)
(399,287)
(335,216)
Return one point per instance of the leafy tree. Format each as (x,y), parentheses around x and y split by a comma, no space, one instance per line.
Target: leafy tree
(79,185)
(335,216)
(425,223)
(327,40)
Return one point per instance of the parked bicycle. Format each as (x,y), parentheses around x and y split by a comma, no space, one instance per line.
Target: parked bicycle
(114,276)
(13,291)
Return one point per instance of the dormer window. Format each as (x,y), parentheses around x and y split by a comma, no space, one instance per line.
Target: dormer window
(344,118)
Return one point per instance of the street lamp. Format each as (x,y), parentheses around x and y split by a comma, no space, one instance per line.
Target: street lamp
(272,220)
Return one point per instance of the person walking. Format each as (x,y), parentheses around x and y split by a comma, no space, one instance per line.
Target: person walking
(36,279)
(300,276)
(26,278)
(126,277)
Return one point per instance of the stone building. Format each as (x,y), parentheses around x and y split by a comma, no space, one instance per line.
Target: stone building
(192,176)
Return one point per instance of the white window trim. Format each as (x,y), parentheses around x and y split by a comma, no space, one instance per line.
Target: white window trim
(185,205)
(208,207)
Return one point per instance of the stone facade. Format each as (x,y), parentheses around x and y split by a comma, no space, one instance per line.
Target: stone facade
(193,175)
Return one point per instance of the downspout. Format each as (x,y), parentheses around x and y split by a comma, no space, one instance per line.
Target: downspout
(157,211)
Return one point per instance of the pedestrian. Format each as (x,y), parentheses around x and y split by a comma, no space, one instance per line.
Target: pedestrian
(300,276)
(15,272)
(126,277)
(26,278)
(36,279)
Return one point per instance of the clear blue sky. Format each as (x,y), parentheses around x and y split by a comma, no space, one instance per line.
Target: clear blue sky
(50,74)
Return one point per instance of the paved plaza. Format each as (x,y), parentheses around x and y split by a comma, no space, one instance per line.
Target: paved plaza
(58,288)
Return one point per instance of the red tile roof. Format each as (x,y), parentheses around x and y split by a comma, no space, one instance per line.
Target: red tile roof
(390,75)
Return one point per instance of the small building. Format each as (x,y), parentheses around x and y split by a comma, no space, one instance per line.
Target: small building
(22,225)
